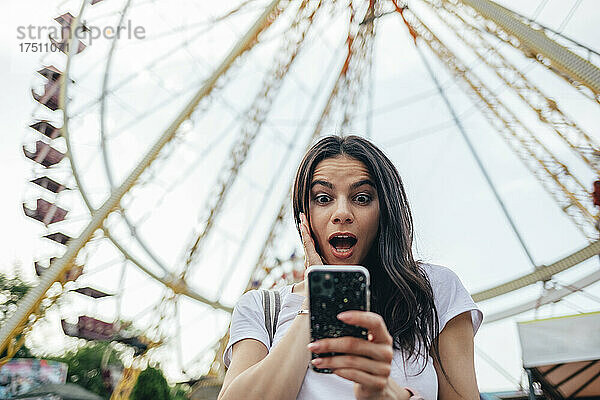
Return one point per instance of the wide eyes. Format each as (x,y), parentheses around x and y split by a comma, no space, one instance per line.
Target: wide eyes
(361,199)
(322,199)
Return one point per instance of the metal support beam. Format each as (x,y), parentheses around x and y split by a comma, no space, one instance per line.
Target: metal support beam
(540,46)
(541,274)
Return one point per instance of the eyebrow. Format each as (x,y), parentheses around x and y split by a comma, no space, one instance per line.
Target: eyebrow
(355,185)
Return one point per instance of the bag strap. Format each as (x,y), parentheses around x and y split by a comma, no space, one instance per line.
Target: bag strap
(271,306)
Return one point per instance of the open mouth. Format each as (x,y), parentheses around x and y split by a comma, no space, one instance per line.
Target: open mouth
(342,245)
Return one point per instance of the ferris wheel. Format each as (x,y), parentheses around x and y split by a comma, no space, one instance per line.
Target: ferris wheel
(165,137)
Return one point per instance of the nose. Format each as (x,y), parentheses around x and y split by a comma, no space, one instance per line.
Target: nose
(342,213)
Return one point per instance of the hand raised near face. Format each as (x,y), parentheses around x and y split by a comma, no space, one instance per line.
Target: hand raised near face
(311,257)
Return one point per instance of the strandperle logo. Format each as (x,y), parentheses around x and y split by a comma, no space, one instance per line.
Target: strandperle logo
(89,33)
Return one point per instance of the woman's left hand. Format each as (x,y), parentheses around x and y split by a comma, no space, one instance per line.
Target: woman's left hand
(367,363)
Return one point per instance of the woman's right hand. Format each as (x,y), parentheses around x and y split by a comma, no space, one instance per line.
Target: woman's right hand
(311,257)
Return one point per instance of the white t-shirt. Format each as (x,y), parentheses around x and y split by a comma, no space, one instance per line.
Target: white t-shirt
(450,297)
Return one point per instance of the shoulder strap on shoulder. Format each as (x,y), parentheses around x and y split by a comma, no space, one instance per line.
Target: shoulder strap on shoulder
(271,306)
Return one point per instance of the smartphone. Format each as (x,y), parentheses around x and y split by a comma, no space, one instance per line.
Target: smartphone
(333,289)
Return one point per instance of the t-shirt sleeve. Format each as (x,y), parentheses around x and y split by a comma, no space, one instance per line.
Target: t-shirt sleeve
(452,298)
(247,322)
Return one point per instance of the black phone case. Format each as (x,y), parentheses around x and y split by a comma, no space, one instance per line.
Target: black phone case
(330,293)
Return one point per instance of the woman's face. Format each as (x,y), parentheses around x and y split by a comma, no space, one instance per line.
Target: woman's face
(343,210)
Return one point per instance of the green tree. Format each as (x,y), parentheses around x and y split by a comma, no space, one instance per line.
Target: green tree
(180,392)
(85,363)
(11,291)
(151,385)
(24,352)
(85,366)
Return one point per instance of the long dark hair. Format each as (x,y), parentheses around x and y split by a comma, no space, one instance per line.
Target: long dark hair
(400,289)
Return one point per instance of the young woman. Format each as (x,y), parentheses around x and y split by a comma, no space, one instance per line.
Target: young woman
(422,322)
